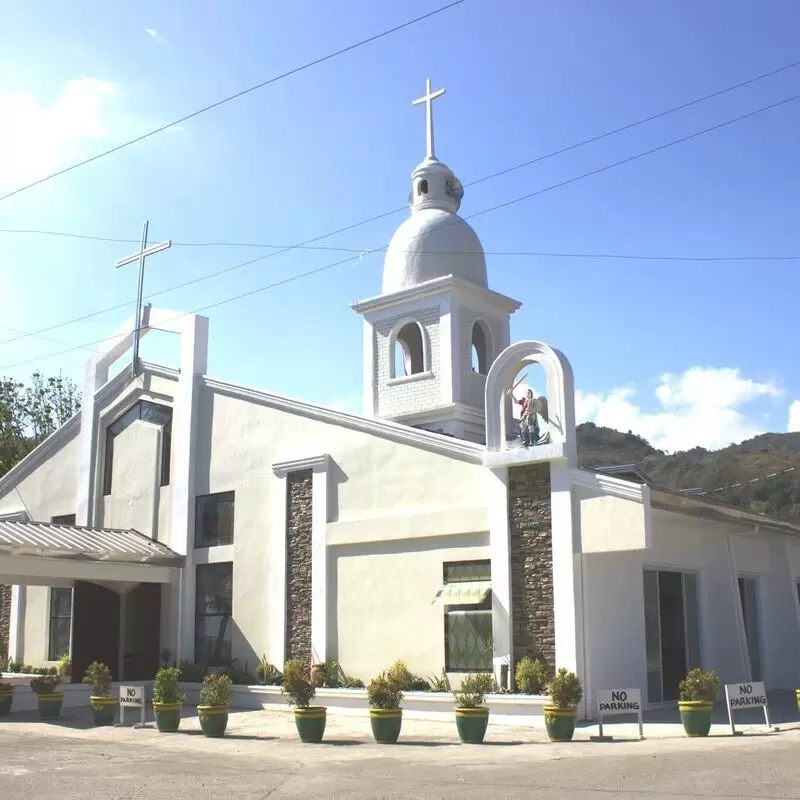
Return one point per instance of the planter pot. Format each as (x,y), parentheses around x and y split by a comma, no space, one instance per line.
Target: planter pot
(386,724)
(560,723)
(6,699)
(104,709)
(310,723)
(50,705)
(696,716)
(472,724)
(168,716)
(213,720)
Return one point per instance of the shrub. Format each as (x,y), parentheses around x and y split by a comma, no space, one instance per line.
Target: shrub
(352,683)
(14,666)
(700,684)
(383,692)
(438,683)
(99,676)
(531,676)
(297,683)
(6,687)
(268,674)
(192,673)
(65,665)
(45,684)
(400,674)
(165,686)
(565,689)
(216,690)
(473,690)
(240,675)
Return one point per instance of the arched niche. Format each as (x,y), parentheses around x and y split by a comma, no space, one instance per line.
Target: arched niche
(480,347)
(560,393)
(411,338)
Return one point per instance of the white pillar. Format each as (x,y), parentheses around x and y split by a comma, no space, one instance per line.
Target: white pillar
(319,562)
(16,633)
(500,555)
(277,597)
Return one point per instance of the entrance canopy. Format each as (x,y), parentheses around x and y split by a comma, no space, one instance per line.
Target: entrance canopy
(39,552)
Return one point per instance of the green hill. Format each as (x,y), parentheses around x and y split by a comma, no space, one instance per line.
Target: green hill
(768,454)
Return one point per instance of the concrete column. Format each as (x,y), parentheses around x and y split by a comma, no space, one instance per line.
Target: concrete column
(500,555)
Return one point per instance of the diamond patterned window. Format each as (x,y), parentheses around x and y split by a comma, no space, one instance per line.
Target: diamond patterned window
(468,628)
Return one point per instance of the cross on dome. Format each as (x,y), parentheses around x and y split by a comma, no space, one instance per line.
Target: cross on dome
(428,99)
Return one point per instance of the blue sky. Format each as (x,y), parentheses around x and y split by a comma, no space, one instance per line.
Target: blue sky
(683,352)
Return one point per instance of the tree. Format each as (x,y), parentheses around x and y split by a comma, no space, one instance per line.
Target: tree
(29,414)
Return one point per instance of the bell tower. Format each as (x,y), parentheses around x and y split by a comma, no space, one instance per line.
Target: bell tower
(435,329)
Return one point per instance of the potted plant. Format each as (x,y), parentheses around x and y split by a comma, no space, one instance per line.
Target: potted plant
(6,698)
(215,697)
(385,714)
(104,704)
(472,715)
(698,693)
(64,667)
(268,674)
(297,683)
(565,695)
(167,699)
(531,676)
(48,700)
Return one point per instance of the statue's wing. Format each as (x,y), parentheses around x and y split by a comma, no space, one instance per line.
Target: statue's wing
(541,407)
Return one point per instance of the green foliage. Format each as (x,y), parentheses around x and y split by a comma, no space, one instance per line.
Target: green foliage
(438,683)
(45,684)
(268,674)
(565,689)
(6,687)
(297,683)
(192,673)
(240,675)
(531,676)
(401,675)
(383,692)
(64,665)
(327,674)
(99,677)
(165,686)
(700,684)
(473,690)
(351,683)
(216,690)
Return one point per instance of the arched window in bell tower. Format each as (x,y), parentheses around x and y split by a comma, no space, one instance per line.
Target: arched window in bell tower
(408,350)
(422,187)
(480,347)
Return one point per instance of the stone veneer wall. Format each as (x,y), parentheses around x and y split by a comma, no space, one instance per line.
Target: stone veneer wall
(533,616)
(298,565)
(5,621)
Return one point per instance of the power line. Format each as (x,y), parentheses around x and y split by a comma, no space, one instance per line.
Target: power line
(354,258)
(741,484)
(218,103)
(332,249)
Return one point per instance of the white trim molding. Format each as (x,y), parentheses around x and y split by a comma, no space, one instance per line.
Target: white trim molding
(319,466)
(607,484)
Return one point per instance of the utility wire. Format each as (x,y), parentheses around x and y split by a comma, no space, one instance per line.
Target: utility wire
(228,99)
(506,204)
(741,484)
(332,249)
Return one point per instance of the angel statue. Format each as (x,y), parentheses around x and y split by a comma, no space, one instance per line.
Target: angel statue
(532,408)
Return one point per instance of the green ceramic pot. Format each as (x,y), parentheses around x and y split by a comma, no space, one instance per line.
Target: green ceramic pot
(560,723)
(696,716)
(50,705)
(472,724)
(104,709)
(168,716)
(6,699)
(310,723)
(213,720)
(386,724)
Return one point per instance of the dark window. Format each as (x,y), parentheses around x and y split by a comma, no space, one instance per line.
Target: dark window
(422,187)
(60,618)
(213,613)
(63,519)
(213,522)
(468,627)
(147,412)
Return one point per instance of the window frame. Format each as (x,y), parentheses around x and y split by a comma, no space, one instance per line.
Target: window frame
(200,500)
(484,609)
(63,519)
(51,618)
(204,614)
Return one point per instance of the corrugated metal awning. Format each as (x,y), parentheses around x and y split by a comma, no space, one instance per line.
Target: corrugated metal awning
(87,544)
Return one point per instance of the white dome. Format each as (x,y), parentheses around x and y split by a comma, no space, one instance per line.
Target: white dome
(430,244)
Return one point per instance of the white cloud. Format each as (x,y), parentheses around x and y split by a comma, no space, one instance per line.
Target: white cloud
(701,407)
(37,138)
(154,34)
(794,417)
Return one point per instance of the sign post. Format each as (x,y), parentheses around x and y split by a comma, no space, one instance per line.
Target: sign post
(619,701)
(132,697)
(745,695)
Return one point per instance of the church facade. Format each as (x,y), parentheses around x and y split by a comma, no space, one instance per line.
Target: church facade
(178,517)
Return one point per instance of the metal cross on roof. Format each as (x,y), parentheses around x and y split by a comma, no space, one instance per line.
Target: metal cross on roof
(428,99)
(144,251)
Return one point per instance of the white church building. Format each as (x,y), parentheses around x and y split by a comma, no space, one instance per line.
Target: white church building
(178,517)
